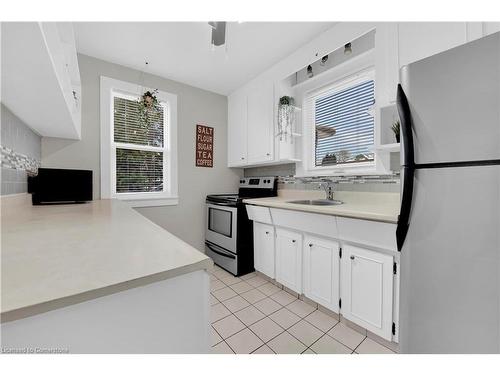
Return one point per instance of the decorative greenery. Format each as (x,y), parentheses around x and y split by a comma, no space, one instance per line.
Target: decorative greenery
(286,118)
(396,129)
(286,100)
(149,106)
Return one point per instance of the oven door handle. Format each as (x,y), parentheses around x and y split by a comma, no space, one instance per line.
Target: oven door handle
(211,247)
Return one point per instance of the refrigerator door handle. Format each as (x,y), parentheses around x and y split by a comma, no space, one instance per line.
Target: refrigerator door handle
(408,167)
(406,128)
(404,213)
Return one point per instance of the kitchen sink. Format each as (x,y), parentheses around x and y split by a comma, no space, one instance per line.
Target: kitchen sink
(317,202)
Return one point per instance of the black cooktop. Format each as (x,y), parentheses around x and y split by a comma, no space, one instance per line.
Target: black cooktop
(259,187)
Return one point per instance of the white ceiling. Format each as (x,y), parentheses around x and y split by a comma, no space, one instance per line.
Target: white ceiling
(181,50)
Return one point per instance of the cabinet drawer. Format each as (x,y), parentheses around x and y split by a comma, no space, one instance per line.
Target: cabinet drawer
(259,214)
(366,232)
(323,225)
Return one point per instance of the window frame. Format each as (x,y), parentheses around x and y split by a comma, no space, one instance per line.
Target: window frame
(309,131)
(169,196)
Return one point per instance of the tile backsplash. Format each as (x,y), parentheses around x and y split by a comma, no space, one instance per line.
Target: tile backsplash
(20,151)
(287,180)
(366,183)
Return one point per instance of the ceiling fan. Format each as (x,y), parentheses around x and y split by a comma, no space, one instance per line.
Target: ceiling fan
(218,33)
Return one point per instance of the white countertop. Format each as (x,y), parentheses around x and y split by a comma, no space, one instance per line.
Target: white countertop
(58,255)
(359,205)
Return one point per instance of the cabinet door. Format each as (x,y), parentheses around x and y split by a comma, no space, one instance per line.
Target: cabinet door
(289,259)
(260,123)
(386,63)
(237,129)
(418,40)
(263,235)
(321,271)
(366,289)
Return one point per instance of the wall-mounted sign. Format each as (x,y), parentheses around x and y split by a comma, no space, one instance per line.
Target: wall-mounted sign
(204,146)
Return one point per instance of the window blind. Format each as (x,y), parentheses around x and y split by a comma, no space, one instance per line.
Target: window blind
(128,128)
(139,145)
(138,171)
(347,111)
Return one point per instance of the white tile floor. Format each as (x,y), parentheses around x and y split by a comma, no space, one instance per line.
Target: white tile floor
(251,315)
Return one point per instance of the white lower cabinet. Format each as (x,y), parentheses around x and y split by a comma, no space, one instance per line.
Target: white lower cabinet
(263,238)
(321,271)
(289,259)
(351,280)
(367,289)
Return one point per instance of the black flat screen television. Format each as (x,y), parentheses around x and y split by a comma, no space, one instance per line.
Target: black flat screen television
(52,186)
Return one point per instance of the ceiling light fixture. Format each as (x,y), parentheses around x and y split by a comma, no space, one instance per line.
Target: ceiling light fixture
(324,59)
(347,49)
(310,73)
(218,33)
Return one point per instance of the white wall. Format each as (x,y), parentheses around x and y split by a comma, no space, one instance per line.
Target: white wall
(187,219)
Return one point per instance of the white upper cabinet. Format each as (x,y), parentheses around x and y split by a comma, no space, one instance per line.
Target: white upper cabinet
(367,289)
(321,271)
(251,125)
(40,77)
(237,129)
(386,62)
(289,259)
(418,40)
(260,123)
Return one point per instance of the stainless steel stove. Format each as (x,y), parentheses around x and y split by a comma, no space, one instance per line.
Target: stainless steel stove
(229,232)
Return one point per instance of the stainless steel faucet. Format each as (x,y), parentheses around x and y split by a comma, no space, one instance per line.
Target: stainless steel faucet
(328,186)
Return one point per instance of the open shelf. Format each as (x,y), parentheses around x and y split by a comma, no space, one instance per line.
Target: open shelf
(387,116)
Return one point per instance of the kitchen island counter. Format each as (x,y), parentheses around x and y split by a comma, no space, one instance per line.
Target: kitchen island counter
(57,255)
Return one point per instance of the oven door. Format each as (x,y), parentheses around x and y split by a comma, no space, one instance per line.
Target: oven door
(221,226)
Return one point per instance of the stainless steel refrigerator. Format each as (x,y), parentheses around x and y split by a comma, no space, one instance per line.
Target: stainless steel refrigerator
(449,224)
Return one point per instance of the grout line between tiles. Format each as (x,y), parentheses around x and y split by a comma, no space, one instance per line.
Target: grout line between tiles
(308,347)
(360,343)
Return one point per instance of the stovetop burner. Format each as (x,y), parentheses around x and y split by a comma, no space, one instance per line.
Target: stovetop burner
(250,187)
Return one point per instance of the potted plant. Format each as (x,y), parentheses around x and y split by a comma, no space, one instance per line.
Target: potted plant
(395,128)
(285,117)
(148,105)
(286,100)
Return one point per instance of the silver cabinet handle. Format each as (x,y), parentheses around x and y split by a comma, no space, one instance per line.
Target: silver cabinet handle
(310,245)
(268,154)
(352,257)
(242,158)
(293,241)
(267,232)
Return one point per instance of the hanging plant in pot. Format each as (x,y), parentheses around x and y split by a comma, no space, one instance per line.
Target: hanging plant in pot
(285,117)
(149,106)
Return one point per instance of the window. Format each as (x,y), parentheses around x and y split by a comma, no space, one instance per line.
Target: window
(138,158)
(341,124)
